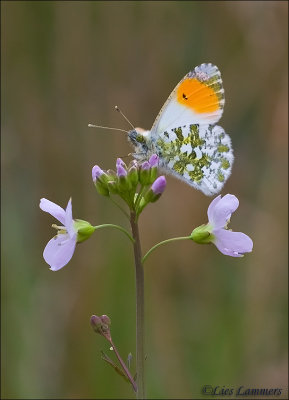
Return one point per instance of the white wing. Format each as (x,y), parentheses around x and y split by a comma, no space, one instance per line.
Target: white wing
(197,99)
(200,155)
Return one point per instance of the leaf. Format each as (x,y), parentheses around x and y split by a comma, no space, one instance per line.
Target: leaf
(114,366)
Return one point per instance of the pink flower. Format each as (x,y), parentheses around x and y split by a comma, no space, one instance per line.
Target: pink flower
(60,248)
(230,243)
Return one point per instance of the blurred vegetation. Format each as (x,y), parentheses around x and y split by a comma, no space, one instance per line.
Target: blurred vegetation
(210,319)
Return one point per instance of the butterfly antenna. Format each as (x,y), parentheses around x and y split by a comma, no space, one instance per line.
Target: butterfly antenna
(106,127)
(117,109)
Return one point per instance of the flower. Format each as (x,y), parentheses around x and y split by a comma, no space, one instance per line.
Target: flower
(145,174)
(121,171)
(159,185)
(230,243)
(97,172)
(155,191)
(137,184)
(154,160)
(145,166)
(100,179)
(60,248)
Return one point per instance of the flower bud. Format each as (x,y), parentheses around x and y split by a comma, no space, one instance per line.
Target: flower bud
(96,323)
(123,183)
(102,188)
(202,234)
(154,162)
(132,176)
(97,172)
(121,171)
(159,185)
(100,178)
(84,230)
(144,173)
(156,190)
(119,161)
(105,319)
(112,186)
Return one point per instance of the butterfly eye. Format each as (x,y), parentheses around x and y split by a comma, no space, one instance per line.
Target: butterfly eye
(184,96)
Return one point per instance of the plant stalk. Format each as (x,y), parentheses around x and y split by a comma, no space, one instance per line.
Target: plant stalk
(139,276)
(124,367)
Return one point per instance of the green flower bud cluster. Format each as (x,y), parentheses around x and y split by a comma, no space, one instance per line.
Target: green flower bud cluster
(136,184)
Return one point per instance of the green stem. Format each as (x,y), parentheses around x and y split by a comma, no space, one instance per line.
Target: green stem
(161,243)
(139,277)
(139,196)
(116,227)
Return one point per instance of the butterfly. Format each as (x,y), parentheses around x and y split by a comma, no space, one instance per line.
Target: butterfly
(189,144)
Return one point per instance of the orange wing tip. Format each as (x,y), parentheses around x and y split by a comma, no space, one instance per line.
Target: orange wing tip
(198,96)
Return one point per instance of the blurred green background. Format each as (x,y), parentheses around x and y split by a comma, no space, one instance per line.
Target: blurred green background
(210,319)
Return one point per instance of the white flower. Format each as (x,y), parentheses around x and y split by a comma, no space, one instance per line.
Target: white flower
(60,248)
(230,243)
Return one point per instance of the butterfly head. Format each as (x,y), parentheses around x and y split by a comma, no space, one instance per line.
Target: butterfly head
(141,140)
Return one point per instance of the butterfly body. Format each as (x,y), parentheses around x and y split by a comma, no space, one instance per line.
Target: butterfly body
(185,136)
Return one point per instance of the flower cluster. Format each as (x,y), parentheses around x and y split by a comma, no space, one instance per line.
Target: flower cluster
(136,184)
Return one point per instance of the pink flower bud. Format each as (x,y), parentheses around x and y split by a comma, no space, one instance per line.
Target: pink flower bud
(145,166)
(120,170)
(159,185)
(96,173)
(154,160)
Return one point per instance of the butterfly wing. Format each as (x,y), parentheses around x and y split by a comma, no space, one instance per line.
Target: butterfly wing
(197,99)
(200,155)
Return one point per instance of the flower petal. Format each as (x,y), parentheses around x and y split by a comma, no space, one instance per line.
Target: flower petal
(54,209)
(119,161)
(145,166)
(212,206)
(96,173)
(59,250)
(233,244)
(69,223)
(154,160)
(221,209)
(120,170)
(159,185)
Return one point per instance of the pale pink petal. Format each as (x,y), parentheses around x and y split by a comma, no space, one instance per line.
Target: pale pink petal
(233,244)
(212,206)
(120,170)
(68,219)
(53,209)
(96,173)
(159,185)
(220,210)
(154,160)
(59,250)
